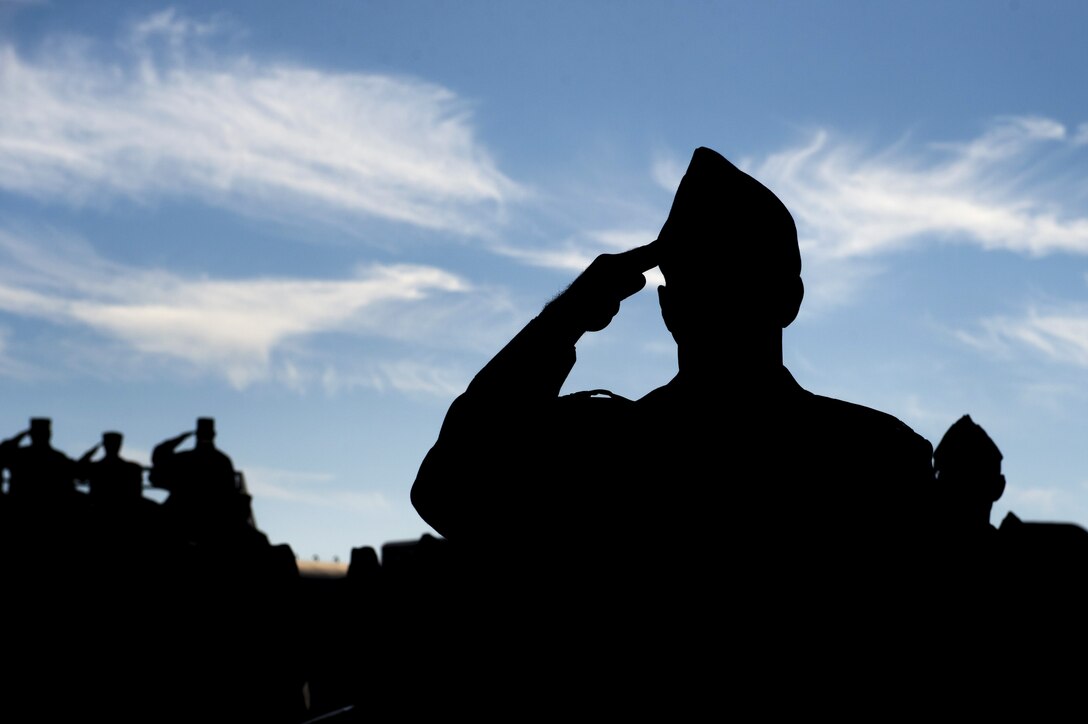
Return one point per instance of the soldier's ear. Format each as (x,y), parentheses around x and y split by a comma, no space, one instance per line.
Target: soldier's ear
(663,300)
(792,293)
(999,488)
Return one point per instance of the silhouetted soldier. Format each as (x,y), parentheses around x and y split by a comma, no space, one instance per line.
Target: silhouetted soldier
(1026,579)
(967,466)
(38,473)
(730,480)
(203,470)
(224,664)
(111,480)
(202,481)
(972,564)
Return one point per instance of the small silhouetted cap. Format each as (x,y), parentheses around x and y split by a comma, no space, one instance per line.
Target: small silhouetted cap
(967,444)
(111,437)
(721,215)
(40,424)
(205,427)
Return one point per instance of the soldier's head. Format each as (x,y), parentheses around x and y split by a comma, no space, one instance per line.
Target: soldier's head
(205,429)
(41,430)
(729,254)
(111,442)
(967,464)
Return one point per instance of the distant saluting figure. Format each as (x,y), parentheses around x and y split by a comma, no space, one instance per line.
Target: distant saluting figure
(112,479)
(38,472)
(203,472)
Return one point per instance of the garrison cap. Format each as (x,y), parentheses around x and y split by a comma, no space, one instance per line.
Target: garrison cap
(721,215)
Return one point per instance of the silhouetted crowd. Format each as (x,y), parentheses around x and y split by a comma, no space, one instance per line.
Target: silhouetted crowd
(183,610)
(120,606)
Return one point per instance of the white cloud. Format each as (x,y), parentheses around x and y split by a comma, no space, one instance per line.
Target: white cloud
(569,256)
(993,191)
(228,327)
(576,253)
(176,119)
(407,376)
(1060,336)
(235,325)
(1081,136)
(317,489)
(667,171)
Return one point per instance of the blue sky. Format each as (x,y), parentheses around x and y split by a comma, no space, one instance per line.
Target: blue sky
(316,221)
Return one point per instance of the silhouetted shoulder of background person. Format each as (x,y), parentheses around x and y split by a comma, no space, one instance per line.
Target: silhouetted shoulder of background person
(730,476)
(38,472)
(1045,580)
(111,479)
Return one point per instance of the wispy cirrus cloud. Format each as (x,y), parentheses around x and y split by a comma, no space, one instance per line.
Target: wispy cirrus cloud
(176,118)
(1060,335)
(666,171)
(1081,136)
(319,489)
(1003,190)
(409,376)
(1017,187)
(575,253)
(219,326)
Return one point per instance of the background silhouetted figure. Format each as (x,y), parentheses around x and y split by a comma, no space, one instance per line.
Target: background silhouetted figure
(201,470)
(967,466)
(38,473)
(121,520)
(1025,579)
(230,635)
(970,570)
(111,480)
(730,480)
(205,499)
(117,612)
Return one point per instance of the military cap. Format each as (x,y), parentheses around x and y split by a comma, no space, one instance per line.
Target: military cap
(720,213)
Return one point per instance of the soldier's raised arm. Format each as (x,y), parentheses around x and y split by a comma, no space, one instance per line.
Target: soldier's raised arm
(160,474)
(471,483)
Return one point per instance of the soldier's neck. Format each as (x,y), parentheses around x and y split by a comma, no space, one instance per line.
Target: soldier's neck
(723,365)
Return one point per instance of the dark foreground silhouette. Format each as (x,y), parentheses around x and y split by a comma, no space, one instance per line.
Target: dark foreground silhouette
(148,623)
(728,510)
(743,487)
(727,542)
(120,607)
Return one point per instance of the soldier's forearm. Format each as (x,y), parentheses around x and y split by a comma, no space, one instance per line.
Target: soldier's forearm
(533,365)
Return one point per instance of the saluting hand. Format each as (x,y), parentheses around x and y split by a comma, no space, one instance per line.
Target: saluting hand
(593,299)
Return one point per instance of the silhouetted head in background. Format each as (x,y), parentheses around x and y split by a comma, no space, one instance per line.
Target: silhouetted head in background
(731,261)
(967,464)
(111,443)
(41,431)
(205,431)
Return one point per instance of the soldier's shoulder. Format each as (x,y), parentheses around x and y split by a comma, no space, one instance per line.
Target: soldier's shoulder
(861,421)
(594,397)
(593,409)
